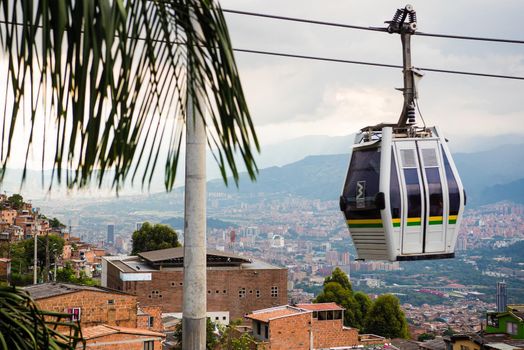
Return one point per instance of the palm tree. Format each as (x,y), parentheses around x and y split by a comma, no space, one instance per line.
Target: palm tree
(110,84)
(23,326)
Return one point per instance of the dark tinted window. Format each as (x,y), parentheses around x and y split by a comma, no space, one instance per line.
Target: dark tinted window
(362,184)
(413,190)
(394,190)
(435,193)
(454,195)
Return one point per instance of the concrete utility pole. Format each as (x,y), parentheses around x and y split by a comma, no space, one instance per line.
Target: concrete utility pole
(195,296)
(35,256)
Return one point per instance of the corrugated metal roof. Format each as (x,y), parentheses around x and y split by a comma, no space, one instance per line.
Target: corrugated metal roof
(46,290)
(172,254)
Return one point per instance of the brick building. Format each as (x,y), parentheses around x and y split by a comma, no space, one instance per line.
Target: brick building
(91,305)
(236,285)
(109,319)
(305,327)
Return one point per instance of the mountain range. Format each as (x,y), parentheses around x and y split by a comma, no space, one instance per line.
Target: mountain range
(488,176)
(289,167)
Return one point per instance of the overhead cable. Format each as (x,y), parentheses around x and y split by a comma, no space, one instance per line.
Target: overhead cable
(338,60)
(375,29)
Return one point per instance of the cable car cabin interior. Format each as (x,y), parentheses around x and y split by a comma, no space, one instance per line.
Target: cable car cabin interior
(403,198)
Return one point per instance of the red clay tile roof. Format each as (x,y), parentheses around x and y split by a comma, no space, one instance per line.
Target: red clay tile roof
(103,330)
(320,307)
(273,313)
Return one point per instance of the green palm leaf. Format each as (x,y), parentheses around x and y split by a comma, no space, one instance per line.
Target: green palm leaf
(24,326)
(111,79)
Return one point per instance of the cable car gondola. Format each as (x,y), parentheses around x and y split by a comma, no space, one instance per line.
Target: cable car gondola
(403,198)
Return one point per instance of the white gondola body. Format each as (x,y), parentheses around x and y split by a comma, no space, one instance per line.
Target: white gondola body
(403,198)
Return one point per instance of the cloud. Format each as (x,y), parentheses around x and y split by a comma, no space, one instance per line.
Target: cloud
(291,98)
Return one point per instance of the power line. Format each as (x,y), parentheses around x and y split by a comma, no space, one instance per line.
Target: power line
(375,29)
(337,60)
(365,63)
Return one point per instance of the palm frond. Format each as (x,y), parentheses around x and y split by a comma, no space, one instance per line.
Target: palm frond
(110,79)
(24,326)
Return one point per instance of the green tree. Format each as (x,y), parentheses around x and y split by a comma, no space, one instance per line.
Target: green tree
(55,223)
(339,277)
(449,331)
(426,336)
(56,246)
(68,274)
(16,201)
(153,237)
(338,289)
(234,340)
(386,318)
(212,335)
(364,304)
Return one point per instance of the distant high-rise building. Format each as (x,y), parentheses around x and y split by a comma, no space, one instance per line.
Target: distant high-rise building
(345,259)
(502,296)
(462,243)
(111,234)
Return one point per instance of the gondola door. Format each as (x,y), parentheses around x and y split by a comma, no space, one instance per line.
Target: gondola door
(434,218)
(412,191)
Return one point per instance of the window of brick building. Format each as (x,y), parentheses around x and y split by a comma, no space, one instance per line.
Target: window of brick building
(259,331)
(111,302)
(75,313)
(149,345)
(266,331)
(242,293)
(258,293)
(224,291)
(150,321)
(274,291)
(173,284)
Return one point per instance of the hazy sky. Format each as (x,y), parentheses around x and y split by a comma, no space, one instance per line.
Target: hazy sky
(292,97)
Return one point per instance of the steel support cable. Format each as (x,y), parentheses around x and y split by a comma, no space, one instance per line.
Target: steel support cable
(374,29)
(337,60)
